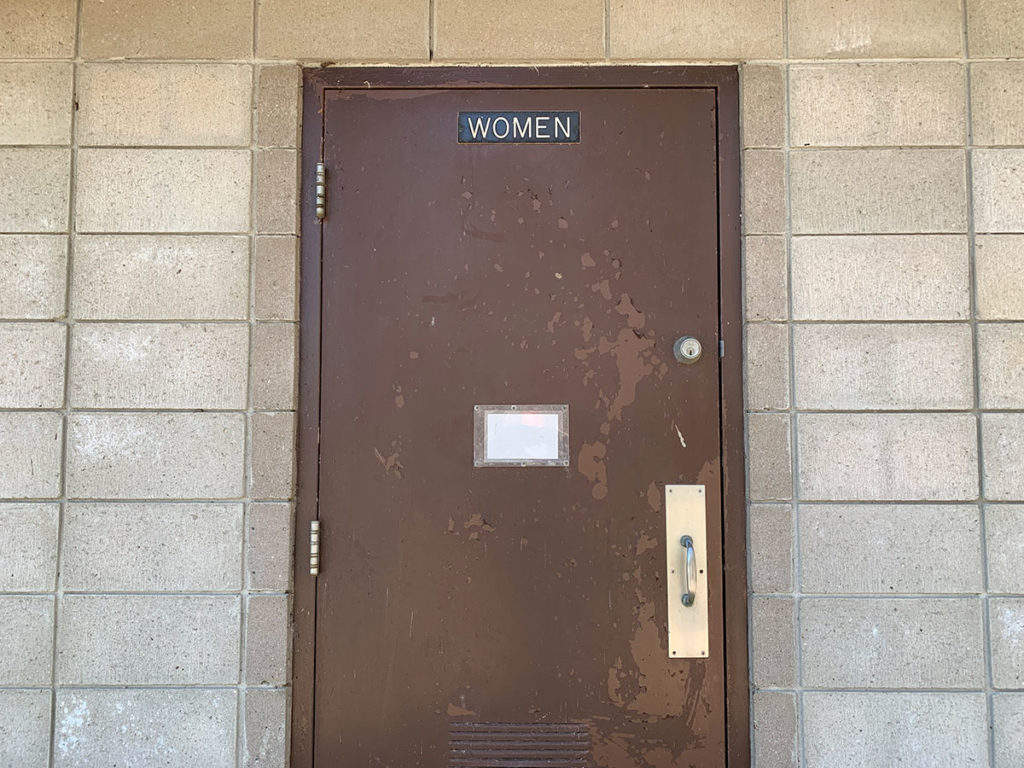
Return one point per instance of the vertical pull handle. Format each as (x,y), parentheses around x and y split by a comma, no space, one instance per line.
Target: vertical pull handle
(691,572)
(686,524)
(314,547)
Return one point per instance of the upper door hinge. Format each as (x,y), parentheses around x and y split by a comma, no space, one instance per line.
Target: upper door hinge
(314,547)
(321,191)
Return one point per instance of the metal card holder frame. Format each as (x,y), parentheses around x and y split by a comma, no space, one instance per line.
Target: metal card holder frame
(480,436)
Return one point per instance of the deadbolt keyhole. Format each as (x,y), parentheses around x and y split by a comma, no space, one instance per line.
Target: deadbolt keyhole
(687,350)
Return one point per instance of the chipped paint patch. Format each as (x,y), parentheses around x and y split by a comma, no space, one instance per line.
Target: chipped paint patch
(654,496)
(454,710)
(634,317)
(629,352)
(591,465)
(390,463)
(679,433)
(604,288)
(645,543)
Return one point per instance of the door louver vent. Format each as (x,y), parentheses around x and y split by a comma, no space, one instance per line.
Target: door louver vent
(518,745)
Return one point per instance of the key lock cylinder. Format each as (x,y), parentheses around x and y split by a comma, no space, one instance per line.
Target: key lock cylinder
(687,350)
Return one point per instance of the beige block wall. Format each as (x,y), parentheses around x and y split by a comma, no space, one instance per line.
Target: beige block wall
(148,300)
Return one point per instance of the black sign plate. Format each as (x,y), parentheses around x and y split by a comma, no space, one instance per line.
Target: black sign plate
(519,127)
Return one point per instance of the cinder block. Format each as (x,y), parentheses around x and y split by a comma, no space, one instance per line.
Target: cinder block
(160,277)
(36,108)
(722,29)
(881,457)
(865,29)
(166,728)
(1003,444)
(152,547)
(163,190)
(30,451)
(892,643)
(853,730)
(1006,622)
(529,30)
(155,455)
(775,730)
(277,209)
(33,275)
(763,105)
(265,742)
(361,30)
(1001,365)
(840,191)
(269,546)
(853,105)
(25,727)
(1004,544)
(888,549)
(277,105)
(274,370)
(148,640)
(995,28)
(997,91)
(151,29)
(28,547)
(159,365)
(998,263)
(34,184)
(769,457)
(38,29)
(766,366)
(32,365)
(998,182)
(267,629)
(764,191)
(765,278)
(144,104)
(26,635)
(881,277)
(273,456)
(773,642)
(275,273)
(1008,722)
(771,548)
(883,367)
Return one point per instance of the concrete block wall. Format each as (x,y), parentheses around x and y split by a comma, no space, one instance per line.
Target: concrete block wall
(148,241)
(883,225)
(148,265)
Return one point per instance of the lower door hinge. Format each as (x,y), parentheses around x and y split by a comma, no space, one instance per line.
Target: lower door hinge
(314,547)
(321,191)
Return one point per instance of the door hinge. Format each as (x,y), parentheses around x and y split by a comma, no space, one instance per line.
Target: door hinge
(314,547)
(721,347)
(321,191)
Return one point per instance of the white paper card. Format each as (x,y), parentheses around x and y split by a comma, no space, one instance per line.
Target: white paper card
(521,436)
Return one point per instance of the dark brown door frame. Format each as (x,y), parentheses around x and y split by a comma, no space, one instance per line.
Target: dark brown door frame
(725,81)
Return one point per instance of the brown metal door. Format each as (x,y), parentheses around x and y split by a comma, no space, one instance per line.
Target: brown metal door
(517,613)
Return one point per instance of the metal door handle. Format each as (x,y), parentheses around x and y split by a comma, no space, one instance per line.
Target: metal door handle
(691,572)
